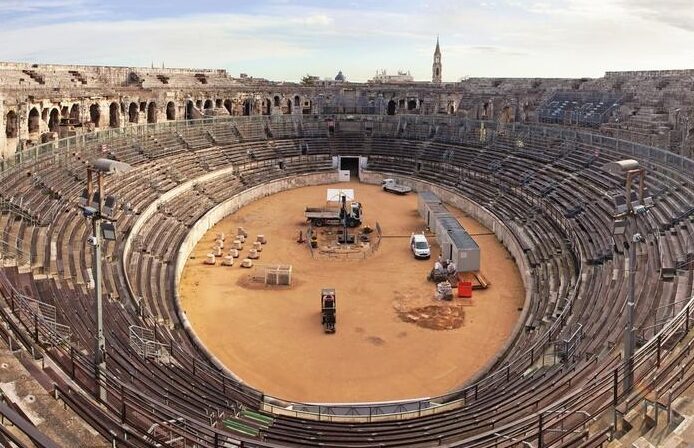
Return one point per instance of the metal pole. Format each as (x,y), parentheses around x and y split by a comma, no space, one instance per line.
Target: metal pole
(100,351)
(629,329)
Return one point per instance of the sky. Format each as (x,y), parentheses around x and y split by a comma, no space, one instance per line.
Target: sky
(286,39)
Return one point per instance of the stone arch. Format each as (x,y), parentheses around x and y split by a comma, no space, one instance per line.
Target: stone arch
(208,104)
(268,106)
(170,111)
(95,114)
(75,114)
(190,105)
(247,107)
(411,104)
(391,107)
(33,121)
(276,101)
(198,104)
(11,125)
(65,112)
(133,113)
(506,114)
(227,106)
(152,112)
(113,115)
(289,106)
(54,120)
(218,103)
(297,101)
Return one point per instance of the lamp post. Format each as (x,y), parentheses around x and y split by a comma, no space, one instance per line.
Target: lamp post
(632,171)
(98,207)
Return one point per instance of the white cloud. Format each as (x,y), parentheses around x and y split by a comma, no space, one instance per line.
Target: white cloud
(500,38)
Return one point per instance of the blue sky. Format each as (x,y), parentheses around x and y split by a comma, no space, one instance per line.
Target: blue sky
(284,39)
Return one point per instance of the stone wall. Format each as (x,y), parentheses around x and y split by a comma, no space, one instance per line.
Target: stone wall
(657,104)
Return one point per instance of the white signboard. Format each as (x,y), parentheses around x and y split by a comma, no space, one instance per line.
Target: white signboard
(334,194)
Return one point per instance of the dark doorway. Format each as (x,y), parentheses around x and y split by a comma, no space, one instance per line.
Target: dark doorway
(227,106)
(289,106)
(247,107)
(170,111)
(11,125)
(391,107)
(208,104)
(189,109)
(133,113)
(95,114)
(33,121)
(113,118)
(75,114)
(54,120)
(152,112)
(350,164)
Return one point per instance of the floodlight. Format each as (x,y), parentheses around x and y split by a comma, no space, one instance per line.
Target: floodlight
(108,231)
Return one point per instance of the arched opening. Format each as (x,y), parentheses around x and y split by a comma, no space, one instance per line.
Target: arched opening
(411,104)
(11,125)
(247,107)
(189,109)
(54,120)
(277,101)
(33,121)
(95,114)
(152,112)
(133,113)
(391,107)
(198,104)
(218,103)
(65,112)
(113,115)
(143,106)
(75,114)
(170,111)
(451,109)
(227,106)
(297,101)
(268,107)
(208,104)
(289,106)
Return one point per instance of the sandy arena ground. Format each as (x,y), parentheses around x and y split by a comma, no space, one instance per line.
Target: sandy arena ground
(273,339)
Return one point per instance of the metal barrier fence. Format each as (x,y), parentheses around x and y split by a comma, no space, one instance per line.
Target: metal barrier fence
(64,147)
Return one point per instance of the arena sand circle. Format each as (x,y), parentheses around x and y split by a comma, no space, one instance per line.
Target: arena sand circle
(272,338)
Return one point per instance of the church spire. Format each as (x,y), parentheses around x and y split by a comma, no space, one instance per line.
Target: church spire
(436,67)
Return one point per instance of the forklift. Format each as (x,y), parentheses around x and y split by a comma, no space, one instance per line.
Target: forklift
(328,309)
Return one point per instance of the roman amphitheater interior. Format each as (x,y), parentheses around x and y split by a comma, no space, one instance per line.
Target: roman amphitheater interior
(596,351)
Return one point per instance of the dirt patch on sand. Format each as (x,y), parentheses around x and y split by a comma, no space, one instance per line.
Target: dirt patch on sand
(435,317)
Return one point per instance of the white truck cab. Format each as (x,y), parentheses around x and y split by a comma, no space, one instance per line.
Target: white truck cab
(420,246)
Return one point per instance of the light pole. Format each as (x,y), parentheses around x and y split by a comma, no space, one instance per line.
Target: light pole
(97,207)
(632,170)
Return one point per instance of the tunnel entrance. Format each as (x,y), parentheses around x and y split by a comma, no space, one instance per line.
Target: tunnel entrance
(350,164)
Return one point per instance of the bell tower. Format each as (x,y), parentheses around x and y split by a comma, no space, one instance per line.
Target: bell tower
(436,68)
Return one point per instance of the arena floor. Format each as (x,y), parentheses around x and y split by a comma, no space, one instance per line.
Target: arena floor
(386,346)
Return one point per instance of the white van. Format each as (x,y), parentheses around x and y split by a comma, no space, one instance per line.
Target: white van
(420,246)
